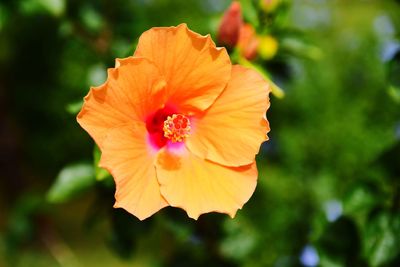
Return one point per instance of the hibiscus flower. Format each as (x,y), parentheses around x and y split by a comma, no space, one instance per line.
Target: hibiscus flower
(178,125)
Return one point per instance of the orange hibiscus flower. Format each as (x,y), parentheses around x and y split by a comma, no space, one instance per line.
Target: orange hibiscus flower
(178,125)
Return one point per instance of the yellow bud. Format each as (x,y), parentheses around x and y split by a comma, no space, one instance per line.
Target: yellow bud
(268,47)
(269,5)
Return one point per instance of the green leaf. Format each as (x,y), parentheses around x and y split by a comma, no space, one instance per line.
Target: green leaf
(71,181)
(73,108)
(241,239)
(92,20)
(54,7)
(358,203)
(326,261)
(394,93)
(4,16)
(100,173)
(381,240)
(249,12)
(299,48)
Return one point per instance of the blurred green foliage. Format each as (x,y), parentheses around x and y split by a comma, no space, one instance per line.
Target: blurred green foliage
(71,180)
(329,185)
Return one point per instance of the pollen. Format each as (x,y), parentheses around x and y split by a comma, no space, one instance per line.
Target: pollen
(176,127)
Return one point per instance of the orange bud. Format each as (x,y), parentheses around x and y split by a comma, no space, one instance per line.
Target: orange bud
(228,32)
(248,42)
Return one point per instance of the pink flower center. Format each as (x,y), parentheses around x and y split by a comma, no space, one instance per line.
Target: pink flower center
(176,127)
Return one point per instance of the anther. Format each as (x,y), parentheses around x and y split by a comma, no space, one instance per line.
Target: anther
(176,127)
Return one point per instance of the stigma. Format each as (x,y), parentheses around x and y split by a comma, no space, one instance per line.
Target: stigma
(176,127)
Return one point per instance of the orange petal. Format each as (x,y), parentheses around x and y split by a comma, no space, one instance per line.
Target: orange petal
(127,156)
(195,70)
(230,132)
(199,186)
(132,90)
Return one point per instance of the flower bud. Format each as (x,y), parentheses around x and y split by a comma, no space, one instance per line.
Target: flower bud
(229,29)
(268,47)
(248,42)
(269,6)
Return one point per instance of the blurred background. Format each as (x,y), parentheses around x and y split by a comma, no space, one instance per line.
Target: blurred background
(329,178)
